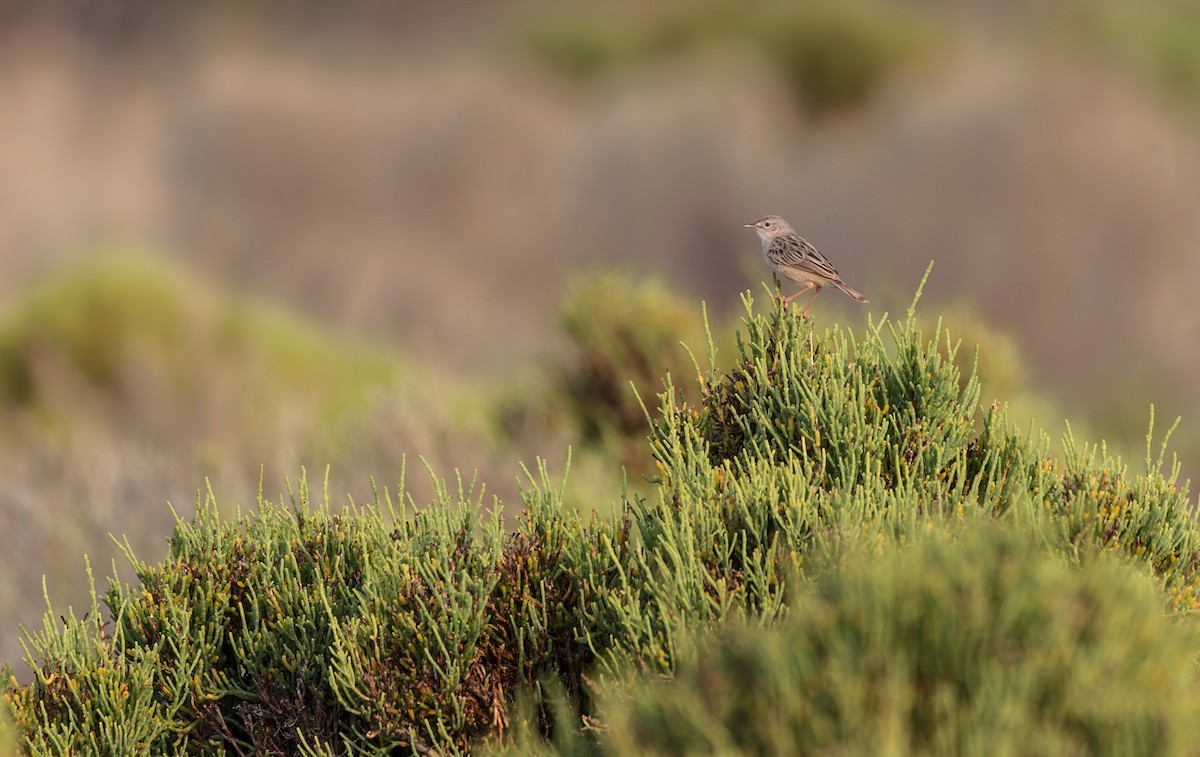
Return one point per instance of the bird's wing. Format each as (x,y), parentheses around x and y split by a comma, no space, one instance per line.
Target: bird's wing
(795,252)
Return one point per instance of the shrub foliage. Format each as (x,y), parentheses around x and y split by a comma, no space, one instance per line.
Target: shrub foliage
(620,333)
(763,577)
(832,55)
(985,644)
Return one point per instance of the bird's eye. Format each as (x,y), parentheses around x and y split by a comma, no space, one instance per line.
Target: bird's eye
(766,224)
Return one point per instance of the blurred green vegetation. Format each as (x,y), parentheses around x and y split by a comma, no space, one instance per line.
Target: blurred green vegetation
(835,55)
(581,47)
(9,736)
(1161,38)
(621,338)
(128,329)
(132,343)
(832,54)
(990,353)
(90,323)
(840,533)
(624,338)
(985,643)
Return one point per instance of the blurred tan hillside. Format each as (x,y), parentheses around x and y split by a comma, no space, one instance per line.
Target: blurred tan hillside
(384,204)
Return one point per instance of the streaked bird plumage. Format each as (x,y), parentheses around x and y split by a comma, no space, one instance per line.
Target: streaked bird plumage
(792,257)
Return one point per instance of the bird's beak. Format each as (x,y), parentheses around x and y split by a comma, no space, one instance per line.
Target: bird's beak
(747,226)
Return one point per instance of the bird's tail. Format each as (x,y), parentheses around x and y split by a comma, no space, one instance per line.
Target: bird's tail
(850,291)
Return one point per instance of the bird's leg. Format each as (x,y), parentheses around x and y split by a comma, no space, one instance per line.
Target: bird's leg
(810,302)
(797,294)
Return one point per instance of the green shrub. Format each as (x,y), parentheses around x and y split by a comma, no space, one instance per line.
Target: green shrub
(981,644)
(991,353)
(783,484)
(95,695)
(580,47)
(833,54)
(1147,517)
(1157,38)
(91,323)
(818,450)
(121,322)
(293,631)
(624,337)
(8,732)
(811,450)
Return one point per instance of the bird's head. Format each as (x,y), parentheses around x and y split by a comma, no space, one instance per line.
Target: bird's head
(770,227)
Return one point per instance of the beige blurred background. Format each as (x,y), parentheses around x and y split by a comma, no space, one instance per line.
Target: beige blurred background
(422,180)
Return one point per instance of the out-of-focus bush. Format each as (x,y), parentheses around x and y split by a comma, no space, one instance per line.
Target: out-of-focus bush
(127,382)
(1160,38)
(91,324)
(128,331)
(623,337)
(581,47)
(833,55)
(987,351)
(983,644)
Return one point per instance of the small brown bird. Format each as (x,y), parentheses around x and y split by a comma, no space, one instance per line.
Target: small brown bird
(789,255)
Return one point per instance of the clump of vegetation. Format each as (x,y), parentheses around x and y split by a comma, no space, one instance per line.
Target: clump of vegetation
(992,353)
(984,643)
(128,350)
(787,483)
(124,325)
(1158,38)
(833,55)
(581,47)
(624,338)
(300,631)
(1146,517)
(90,324)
